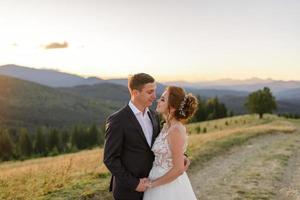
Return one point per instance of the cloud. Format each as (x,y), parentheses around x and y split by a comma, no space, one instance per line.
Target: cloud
(56,45)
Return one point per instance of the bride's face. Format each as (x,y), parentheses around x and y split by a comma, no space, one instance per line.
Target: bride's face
(162,103)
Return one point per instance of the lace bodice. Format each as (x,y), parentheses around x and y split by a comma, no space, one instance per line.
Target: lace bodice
(178,189)
(162,151)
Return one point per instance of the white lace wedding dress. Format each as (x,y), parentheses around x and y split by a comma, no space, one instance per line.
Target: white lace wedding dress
(180,188)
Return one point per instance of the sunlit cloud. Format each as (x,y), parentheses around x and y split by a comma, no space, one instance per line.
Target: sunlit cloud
(56,45)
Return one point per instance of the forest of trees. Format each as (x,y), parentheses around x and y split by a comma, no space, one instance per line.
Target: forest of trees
(19,144)
(289,115)
(210,109)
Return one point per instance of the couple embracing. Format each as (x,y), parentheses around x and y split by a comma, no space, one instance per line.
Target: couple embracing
(147,161)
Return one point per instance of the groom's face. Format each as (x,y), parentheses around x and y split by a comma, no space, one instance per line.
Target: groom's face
(162,103)
(147,94)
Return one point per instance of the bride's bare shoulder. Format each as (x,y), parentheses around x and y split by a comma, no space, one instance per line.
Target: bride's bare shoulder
(177,128)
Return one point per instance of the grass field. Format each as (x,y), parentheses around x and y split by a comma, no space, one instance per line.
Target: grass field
(83,176)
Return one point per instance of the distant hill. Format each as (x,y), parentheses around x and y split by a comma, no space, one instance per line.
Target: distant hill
(159,87)
(221,82)
(52,78)
(216,92)
(106,92)
(289,106)
(24,103)
(248,85)
(289,94)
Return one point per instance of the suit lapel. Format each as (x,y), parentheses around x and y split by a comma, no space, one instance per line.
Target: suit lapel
(136,123)
(154,127)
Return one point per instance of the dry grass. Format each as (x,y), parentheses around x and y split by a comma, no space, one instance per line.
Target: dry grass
(198,140)
(38,177)
(230,123)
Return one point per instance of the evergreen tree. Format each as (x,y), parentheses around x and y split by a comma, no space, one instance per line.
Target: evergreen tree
(54,140)
(40,143)
(25,144)
(6,146)
(84,138)
(101,136)
(92,135)
(200,114)
(222,111)
(65,138)
(75,139)
(210,109)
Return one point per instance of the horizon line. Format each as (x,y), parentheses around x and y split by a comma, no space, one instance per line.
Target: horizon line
(160,80)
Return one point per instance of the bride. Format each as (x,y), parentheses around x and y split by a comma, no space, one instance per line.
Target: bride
(167,179)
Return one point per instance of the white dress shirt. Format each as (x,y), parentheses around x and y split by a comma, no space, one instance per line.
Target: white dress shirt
(144,120)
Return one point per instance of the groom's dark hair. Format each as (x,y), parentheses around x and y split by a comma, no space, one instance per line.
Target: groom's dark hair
(137,81)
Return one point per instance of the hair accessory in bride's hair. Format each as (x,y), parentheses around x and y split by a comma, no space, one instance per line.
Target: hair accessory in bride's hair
(182,104)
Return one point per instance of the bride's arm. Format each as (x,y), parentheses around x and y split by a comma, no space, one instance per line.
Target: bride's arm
(176,138)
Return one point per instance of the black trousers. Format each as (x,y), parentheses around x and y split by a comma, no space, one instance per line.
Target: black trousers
(129,199)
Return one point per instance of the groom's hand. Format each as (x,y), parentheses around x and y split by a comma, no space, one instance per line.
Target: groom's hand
(142,186)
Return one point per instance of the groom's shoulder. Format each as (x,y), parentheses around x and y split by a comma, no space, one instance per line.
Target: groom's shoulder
(119,113)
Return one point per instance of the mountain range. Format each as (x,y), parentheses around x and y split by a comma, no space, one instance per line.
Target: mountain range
(36,97)
(248,85)
(54,78)
(49,77)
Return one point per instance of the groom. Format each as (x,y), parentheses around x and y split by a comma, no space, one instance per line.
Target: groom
(130,134)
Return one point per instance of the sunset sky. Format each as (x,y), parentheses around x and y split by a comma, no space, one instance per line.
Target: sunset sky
(172,40)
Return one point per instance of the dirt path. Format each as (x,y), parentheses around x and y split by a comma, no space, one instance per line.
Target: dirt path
(289,188)
(266,167)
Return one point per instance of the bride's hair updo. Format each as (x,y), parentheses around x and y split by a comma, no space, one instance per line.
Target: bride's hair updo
(185,105)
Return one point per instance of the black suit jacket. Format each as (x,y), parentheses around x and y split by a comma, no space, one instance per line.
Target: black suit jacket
(127,154)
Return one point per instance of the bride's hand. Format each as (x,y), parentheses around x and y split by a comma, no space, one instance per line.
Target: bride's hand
(187,163)
(148,183)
